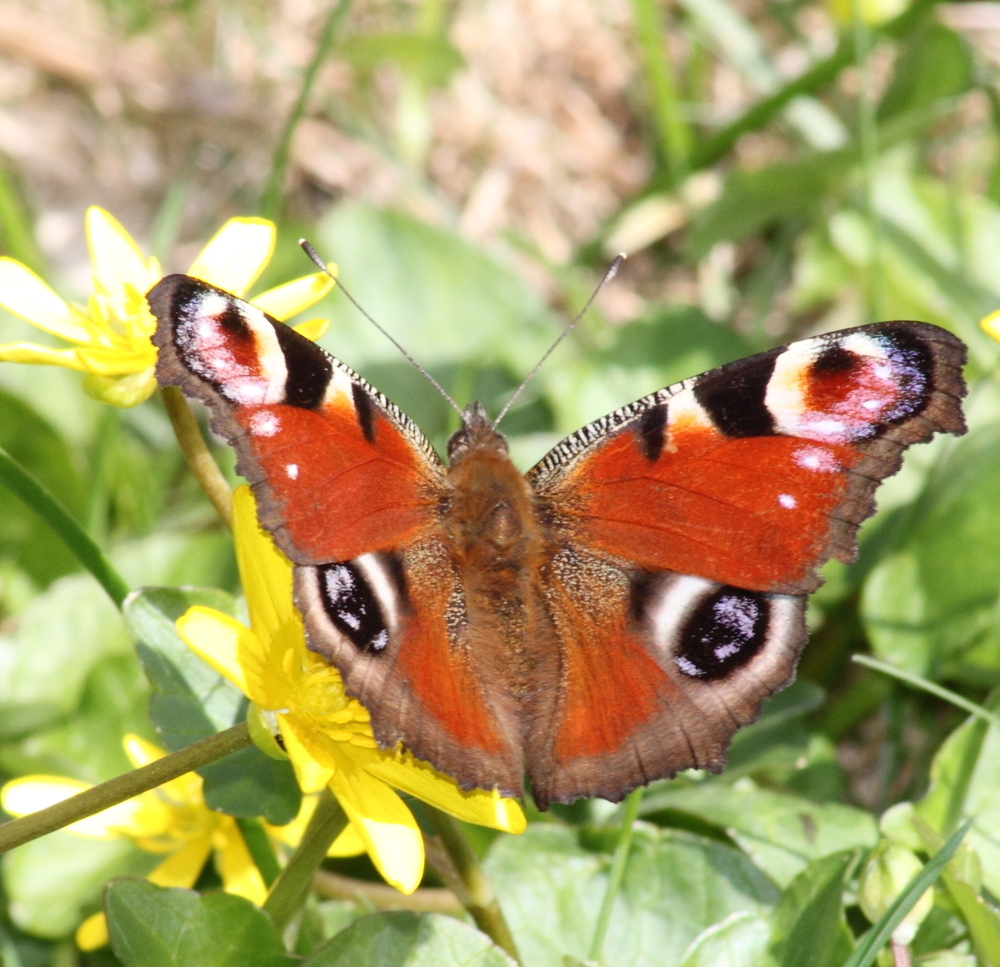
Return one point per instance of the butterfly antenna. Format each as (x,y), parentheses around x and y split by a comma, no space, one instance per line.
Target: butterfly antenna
(608,276)
(314,255)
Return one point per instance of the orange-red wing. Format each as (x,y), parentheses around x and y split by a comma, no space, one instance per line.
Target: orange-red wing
(337,469)
(658,672)
(755,474)
(405,652)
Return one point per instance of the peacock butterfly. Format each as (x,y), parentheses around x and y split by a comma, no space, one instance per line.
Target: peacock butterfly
(610,617)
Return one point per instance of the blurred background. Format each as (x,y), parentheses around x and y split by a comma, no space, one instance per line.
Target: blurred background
(774,169)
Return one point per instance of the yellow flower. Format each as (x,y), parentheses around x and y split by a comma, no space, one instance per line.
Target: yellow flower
(991,325)
(171,819)
(326,734)
(111,335)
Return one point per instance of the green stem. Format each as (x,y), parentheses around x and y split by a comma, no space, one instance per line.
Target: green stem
(472,886)
(199,458)
(934,689)
(718,145)
(292,886)
(261,851)
(42,502)
(674,134)
(19,831)
(616,873)
(271,201)
(428,899)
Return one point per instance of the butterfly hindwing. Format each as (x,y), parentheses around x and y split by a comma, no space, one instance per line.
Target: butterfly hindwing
(659,671)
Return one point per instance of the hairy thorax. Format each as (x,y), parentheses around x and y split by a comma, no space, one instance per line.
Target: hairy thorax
(497,545)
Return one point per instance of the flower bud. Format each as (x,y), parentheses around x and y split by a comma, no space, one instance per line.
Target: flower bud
(886,874)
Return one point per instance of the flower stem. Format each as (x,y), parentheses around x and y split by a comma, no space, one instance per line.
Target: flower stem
(271,201)
(616,873)
(428,899)
(472,887)
(43,503)
(110,793)
(199,458)
(292,886)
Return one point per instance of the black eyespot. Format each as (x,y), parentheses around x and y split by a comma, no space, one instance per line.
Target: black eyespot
(725,631)
(352,606)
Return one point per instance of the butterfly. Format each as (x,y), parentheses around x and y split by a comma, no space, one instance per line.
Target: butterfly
(609,618)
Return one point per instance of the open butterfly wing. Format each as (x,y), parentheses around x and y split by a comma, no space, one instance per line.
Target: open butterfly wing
(687,528)
(351,490)
(755,474)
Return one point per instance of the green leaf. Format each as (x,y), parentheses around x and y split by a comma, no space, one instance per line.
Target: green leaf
(917,615)
(36,445)
(63,634)
(741,940)
(88,744)
(935,65)
(406,940)
(151,926)
(675,886)
(55,881)
(780,832)
(192,701)
(752,201)
(809,925)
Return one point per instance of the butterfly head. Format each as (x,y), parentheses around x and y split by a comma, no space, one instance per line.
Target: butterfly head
(476,436)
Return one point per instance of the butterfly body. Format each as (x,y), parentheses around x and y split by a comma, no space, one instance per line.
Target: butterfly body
(614,615)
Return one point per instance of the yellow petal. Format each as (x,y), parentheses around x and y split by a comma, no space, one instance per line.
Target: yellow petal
(140,752)
(183,867)
(992,324)
(27,296)
(93,933)
(313,328)
(294,297)
(27,352)
(236,255)
(218,640)
(235,865)
(266,575)
(312,775)
(117,360)
(386,827)
(118,263)
(348,843)
(121,391)
(411,775)
(32,793)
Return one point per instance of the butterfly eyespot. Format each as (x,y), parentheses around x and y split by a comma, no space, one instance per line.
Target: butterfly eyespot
(352,606)
(723,633)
